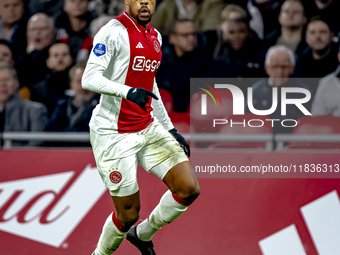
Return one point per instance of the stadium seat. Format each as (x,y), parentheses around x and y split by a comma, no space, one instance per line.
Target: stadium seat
(181,122)
(316,125)
(204,123)
(167,100)
(241,129)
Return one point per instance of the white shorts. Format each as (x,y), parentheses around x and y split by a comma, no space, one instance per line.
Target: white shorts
(117,156)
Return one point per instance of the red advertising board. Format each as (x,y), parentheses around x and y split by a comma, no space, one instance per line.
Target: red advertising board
(53,202)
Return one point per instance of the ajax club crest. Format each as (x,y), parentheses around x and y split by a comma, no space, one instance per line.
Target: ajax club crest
(156,46)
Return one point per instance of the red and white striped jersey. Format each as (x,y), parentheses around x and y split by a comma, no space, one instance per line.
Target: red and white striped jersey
(124,55)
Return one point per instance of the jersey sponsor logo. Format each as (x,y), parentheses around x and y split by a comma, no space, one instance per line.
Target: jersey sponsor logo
(156,46)
(99,49)
(139,46)
(45,208)
(140,63)
(115,177)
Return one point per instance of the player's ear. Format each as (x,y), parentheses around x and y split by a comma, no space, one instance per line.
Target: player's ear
(127,2)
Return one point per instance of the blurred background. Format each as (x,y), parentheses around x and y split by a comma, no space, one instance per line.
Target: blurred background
(46,158)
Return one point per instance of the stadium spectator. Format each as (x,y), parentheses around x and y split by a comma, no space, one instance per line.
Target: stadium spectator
(73,113)
(230,12)
(206,14)
(291,33)
(13,25)
(212,38)
(6,59)
(74,24)
(6,54)
(40,36)
(40,32)
(279,65)
(240,55)
(264,15)
(181,60)
(52,88)
(324,8)
(18,114)
(320,58)
(327,96)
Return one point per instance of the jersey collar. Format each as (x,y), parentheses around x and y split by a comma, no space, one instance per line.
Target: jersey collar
(140,28)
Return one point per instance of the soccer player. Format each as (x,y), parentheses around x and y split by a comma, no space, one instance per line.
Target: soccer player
(130,126)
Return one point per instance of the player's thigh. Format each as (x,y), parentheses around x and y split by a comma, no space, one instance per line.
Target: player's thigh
(160,152)
(117,162)
(182,181)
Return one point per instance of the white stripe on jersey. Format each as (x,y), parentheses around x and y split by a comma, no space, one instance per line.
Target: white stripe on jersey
(107,74)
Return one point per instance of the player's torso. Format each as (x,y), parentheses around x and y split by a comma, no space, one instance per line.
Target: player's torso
(145,54)
(136,59)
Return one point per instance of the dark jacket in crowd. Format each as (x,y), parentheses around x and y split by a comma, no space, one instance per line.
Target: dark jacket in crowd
(308,67)
(50,90)
(18,39)
(246,62)
(24,115)
(75,38)
(331,12)
(69,118)
(32,67)
(269,11)
(175,72)
(52,8)
(271,40)
(263,100)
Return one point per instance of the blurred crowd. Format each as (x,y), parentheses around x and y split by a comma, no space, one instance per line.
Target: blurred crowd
(44,46)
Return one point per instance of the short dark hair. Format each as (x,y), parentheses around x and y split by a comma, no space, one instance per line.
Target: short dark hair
(323,19)
(172,30)
(58,42)
(8,44)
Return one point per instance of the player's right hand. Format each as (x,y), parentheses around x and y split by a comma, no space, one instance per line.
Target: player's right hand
(140,97)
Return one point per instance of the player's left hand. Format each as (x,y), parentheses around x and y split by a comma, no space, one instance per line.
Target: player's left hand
(180,139)
(140,97)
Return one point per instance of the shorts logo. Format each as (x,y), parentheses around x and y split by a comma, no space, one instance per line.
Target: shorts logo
(99,49)
(157,46)
(115,177)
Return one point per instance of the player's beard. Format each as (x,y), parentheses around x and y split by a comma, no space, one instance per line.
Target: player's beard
(143,22)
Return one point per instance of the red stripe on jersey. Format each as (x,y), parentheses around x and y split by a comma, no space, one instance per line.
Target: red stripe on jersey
(145,57)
